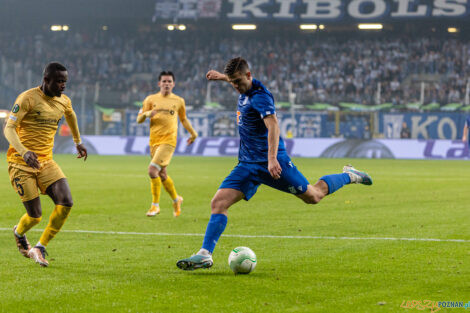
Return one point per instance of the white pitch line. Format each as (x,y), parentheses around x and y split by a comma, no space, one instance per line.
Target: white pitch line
(254,236)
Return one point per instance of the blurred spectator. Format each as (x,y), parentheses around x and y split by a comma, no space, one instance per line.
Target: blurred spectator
(405,132)
(329,69)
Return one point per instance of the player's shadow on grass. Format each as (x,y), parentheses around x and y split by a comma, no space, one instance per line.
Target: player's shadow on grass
(224,274)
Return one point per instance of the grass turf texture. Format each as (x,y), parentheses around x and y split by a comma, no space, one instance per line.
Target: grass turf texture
(137,273)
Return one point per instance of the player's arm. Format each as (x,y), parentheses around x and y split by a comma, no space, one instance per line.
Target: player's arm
(186,123)
(145,112)
(272,125)
(465,133)
(20,109)
(214,75)
(72,121)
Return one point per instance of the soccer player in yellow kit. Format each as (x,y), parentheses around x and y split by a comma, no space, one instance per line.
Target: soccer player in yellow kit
(163,109)
(30,131)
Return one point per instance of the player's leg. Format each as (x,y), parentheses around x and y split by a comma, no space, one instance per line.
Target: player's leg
(294,182)
(242,183)
(24,183)
(223,199)
(169,186)
(155,184)
(32,217)
(163,157)
(328,184)
(52,182)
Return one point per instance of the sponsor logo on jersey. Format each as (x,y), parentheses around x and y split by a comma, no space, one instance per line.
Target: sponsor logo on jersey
(47,121)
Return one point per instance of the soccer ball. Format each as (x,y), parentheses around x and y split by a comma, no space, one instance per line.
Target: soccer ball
(242,260)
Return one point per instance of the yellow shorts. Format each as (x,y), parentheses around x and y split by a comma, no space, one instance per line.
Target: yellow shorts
(26,180)
(161,154)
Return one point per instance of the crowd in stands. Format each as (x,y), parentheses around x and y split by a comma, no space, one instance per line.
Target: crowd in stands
(320,69)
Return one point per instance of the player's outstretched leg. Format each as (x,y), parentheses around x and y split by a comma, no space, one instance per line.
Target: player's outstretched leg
(356,176)
(222,200)
(329,184)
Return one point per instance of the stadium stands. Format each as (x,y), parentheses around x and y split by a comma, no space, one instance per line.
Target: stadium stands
(335,70)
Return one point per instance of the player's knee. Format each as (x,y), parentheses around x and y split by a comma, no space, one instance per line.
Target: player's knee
(65,201)
(312,199)
(219,206)
(163,175)
(153,172)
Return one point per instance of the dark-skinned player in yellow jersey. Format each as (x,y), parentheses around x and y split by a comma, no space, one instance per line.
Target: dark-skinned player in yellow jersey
(30,131)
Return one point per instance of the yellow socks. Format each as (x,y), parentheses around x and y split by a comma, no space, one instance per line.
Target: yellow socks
(57,219)
(170,188)
(155,187)
(26,223)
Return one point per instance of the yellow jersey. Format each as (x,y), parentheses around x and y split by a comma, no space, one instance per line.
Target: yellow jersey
(36,117)
(164,124)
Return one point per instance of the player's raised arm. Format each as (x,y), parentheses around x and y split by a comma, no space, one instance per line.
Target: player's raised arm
(71,119)
(186,123)
(214,75)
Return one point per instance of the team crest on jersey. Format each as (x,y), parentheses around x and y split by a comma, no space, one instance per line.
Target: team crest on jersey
(16,108)
(245,102)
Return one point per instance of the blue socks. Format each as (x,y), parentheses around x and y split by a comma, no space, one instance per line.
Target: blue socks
(215,228)
(336,181)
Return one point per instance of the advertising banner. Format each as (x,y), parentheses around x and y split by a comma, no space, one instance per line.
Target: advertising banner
(302,124)
(299,147)
(423,125)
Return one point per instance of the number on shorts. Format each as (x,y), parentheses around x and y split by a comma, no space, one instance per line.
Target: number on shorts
(19,187)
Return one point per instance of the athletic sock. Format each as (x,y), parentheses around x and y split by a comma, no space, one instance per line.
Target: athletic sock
(155,188)
(336,181)
(56,220)
(215,228)
(203,252)
(39,244)
(170,188)
(26,223)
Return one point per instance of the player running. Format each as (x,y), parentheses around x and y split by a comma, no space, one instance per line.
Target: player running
(262,160)
(163,109)
(30,131)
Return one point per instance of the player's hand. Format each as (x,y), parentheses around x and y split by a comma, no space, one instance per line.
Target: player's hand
(82,153)
(152,113)
(464,139)
(274,168)
(214,75)
(31,159)
(191,140)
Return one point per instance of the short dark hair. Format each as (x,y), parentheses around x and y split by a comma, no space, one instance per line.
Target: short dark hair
(53,67)
(235,65)
(166,73)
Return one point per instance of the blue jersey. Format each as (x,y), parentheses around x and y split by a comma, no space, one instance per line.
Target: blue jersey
(253,106)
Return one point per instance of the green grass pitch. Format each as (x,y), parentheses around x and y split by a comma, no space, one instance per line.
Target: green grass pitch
(93,272)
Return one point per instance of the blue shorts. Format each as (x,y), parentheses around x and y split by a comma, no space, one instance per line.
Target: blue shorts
(246,177)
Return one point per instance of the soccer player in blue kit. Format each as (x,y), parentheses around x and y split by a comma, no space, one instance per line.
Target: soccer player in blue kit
(262,160)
